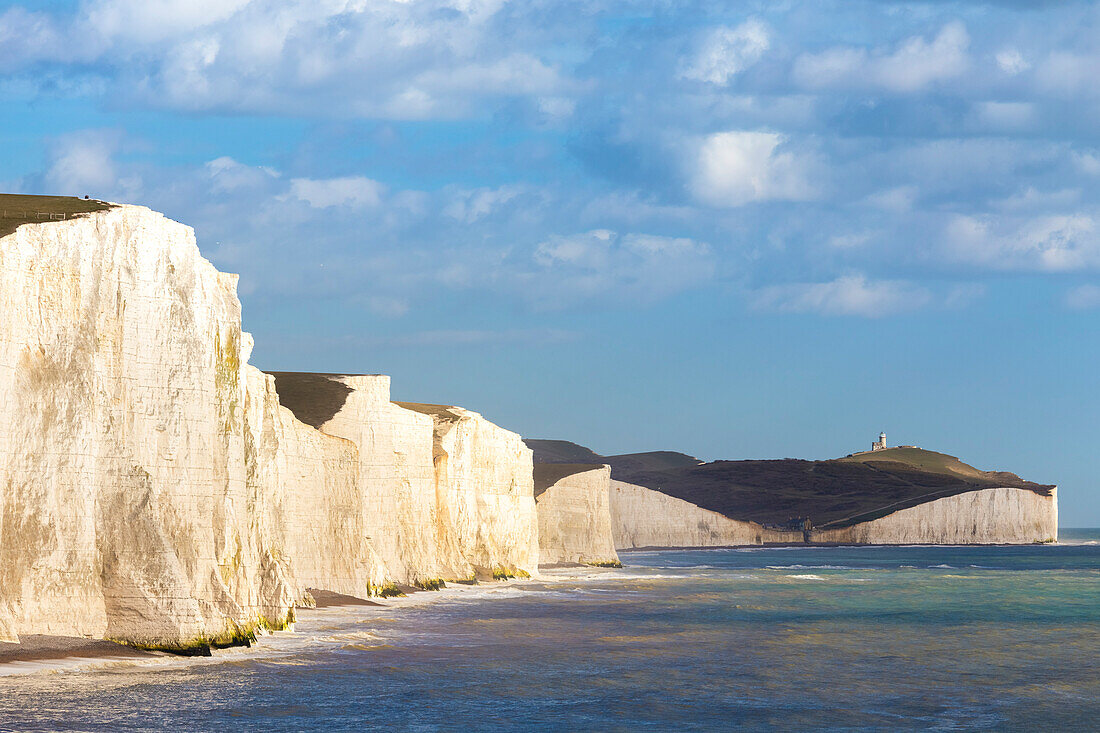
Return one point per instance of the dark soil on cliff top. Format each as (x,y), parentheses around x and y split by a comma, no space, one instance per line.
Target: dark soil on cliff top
(18,209)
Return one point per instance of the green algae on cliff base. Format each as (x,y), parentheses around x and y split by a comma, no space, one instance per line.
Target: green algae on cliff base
(233,635)
(431,584)
(472,580)
(502,573)
(604,564)
(386,590)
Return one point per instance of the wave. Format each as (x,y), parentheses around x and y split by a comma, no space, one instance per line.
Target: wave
(796,566)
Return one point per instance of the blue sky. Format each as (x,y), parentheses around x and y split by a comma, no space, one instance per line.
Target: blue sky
(736,230)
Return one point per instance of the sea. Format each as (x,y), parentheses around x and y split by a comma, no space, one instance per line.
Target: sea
(836,638)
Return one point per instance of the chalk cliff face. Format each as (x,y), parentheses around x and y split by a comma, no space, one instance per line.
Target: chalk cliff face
(642,517)
(484,497)
(396,476)
(574,514)
(132,430)
(988,516)
(446,494)
(154,490)
(322,514)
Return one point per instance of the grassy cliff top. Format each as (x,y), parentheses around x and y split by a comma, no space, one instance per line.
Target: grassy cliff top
(17,209)
(918,458)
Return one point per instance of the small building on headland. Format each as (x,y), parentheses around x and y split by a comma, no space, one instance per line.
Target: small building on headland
(878,445)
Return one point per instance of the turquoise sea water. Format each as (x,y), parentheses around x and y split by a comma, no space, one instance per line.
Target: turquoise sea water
(867,638)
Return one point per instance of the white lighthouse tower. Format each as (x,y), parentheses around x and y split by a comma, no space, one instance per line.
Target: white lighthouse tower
(879,444)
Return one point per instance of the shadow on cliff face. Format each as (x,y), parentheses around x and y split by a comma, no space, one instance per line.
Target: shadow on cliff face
(313,398)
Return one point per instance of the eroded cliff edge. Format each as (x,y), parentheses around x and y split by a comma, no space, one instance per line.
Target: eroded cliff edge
(574,514)
(154,490)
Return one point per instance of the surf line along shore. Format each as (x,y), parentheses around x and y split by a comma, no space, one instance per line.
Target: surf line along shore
(50,653)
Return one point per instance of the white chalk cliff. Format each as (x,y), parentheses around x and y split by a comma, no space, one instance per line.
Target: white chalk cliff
(642,517)
(574,514)
(484,502)
(986,516)
(154,490)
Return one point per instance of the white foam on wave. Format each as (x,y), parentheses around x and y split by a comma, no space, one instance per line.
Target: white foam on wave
(813,567)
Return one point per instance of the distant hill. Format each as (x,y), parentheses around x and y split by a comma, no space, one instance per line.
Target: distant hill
(628,464)
(623,466)
(561,451)
(835,493)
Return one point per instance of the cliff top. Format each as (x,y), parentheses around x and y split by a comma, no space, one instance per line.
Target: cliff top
(17,209)
(561,451)
(928,460)
(564,451)
(548,474)
(658,460)
(443,412)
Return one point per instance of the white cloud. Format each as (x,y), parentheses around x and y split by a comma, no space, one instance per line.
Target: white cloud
(534,336)
(1054,243)
(897,200)
(848,295)
(347,191)
(26,37)
(725,52)
(1088,163)
(83,163)
(226,174)
(151,21)
(387,306)
(1012,62)
(603,264)
(1083,297)
(470,205)
(850,241)
(556,108)
(1005,116)
(367,58)
(737,167)
(1032,199)
(1067,73)
(912,65)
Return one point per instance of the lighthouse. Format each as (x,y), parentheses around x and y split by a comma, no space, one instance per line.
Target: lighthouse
(879,444)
